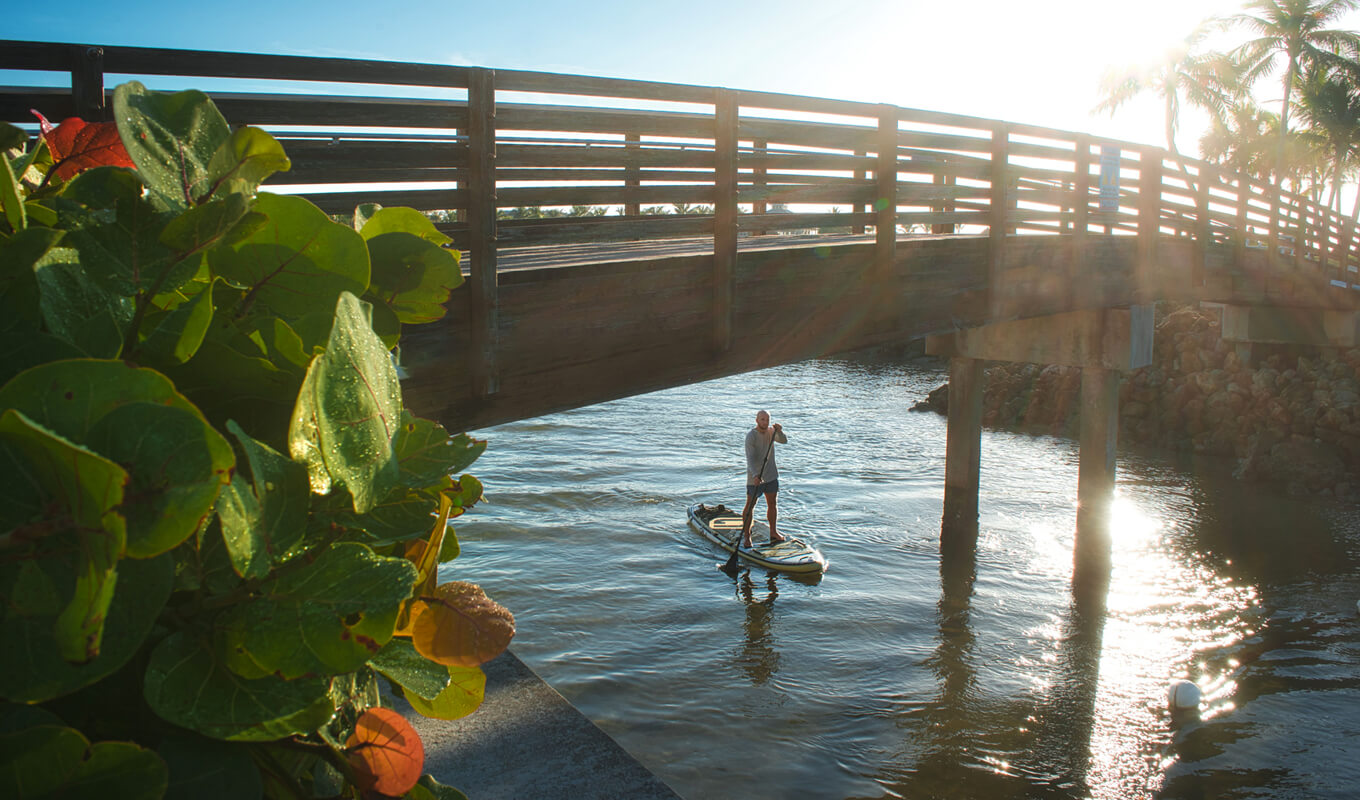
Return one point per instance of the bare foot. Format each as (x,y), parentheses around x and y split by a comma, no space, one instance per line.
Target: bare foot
(777,539)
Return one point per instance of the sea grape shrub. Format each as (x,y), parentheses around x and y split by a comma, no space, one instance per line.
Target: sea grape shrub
(215,534)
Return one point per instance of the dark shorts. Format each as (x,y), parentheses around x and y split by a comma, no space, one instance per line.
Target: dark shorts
(757,489)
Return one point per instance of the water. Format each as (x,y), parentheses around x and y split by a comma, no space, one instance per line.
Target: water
(893,676)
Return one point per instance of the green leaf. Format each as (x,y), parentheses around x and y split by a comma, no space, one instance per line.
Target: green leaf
(172,139)
(402,515)
(178,335)
(70,396)
(10,201)
(297,263)
(63,491)
(12,137)
(77,310)
(32,669)
(178,464)
(51,761)
(348,411)
(427,788)
(411,671)
(412,275)
(427,454)
(19,256)
(263,519)
(330,618)
(208,769)
(245,160)
(227,384)
(463,695)
(377,221)
(203,226)
(188,686)
(123,252)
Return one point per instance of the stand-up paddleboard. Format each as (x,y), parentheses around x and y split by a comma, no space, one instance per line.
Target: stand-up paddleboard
(722,526)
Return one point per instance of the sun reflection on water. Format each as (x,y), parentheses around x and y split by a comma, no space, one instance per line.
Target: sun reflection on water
(1164,607)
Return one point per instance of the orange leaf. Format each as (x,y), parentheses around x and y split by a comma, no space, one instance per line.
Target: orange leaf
(459,626)
(78,145)
(385,752)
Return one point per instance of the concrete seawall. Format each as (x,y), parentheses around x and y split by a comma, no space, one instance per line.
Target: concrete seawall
(525,742)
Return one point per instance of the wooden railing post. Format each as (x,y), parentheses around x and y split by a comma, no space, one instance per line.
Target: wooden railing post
(1300,230)
(861,175)
(1273,233)
(1081,198)
(997,213)
(1203,229)
(1243,204)
(759,179)
(482,305)
(1344,246)
(632,148)
(87,84)
(724,216)
(946,206)
(885,197)
(1149,213)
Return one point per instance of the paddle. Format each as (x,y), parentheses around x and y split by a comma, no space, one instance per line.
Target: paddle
(731,566)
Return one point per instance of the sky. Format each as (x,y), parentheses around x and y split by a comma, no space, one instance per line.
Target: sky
(1037,62)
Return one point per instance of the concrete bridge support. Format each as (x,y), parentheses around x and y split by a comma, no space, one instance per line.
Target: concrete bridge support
(1103,343)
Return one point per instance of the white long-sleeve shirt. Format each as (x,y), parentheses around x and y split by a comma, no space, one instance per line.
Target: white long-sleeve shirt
(757,444)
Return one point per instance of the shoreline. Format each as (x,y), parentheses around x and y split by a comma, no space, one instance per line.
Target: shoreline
(1289,417)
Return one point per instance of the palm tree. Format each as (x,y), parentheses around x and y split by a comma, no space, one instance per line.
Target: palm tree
(1330,106)
(1185,75)
(1296,32)
(1241,139)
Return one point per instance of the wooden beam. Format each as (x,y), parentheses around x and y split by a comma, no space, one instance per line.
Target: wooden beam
(87,85)
(725,121)
(482,305)
(999,211)
(1149,217)
(885,196)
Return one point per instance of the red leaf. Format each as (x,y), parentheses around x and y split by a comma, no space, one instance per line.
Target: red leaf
(385,752)
(78,145)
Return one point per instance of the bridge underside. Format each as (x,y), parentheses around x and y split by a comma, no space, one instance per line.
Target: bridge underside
(612,324)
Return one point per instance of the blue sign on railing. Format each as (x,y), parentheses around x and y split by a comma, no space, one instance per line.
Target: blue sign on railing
(1109,178)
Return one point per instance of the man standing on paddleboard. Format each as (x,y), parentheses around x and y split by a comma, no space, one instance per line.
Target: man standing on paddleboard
(762,476)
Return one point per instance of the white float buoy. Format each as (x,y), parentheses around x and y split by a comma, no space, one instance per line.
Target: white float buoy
(1183,695)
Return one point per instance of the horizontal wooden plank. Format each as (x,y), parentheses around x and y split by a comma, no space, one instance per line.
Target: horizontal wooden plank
(359,112)
(376,154)
(16,104)
(846,193)
(601,155)
(159,61)
(794,160)
(800,221)
(807,134)
(581,119)
(554,83)
(617,175)
(420,199)
(932,141)
(601,195)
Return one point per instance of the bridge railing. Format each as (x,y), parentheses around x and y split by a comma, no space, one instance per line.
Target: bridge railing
(503,158)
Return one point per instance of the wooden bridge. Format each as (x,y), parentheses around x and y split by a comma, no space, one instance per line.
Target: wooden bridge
(906,222)
(807,227)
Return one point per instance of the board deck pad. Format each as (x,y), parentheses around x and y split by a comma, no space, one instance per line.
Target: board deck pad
(722,526)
